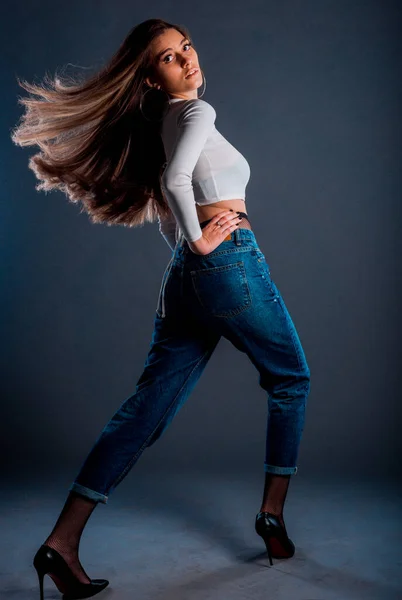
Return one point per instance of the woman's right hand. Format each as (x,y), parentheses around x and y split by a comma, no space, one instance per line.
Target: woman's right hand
(214,234)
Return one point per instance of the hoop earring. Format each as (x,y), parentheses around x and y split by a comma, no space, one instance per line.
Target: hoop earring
(204,81)
(141,103)
(152,88)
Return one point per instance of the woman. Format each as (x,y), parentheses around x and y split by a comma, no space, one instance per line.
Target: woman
(109,146)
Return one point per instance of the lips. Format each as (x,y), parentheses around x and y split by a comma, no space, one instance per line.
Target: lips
(194,70)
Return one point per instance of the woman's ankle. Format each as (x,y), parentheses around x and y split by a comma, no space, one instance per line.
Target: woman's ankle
(64,547)
(277,512)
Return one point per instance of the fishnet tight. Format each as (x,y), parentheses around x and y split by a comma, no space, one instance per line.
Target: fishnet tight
(275,491)
(66,534)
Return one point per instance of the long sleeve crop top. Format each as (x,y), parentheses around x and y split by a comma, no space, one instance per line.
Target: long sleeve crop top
(201,167)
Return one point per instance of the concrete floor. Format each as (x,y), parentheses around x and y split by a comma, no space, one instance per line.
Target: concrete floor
(180,536)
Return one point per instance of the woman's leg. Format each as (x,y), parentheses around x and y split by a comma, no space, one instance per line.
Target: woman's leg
(237,295)
(177,357)
(178,354)
(66,534)
(268,336)
(274,495)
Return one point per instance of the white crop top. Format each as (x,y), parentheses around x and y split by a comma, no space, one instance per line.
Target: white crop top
(201,166)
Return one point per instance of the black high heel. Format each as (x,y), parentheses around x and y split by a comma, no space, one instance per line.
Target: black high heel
(277,542)
(48,561)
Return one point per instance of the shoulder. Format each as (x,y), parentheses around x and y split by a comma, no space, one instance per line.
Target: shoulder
(195,109)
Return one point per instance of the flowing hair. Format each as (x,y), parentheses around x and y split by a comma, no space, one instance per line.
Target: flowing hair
(95,144)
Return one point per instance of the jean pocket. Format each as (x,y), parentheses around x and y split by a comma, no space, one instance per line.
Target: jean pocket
(222,291)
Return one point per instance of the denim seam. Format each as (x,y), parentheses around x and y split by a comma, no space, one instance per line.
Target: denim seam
(269,280)
(302,367)
(231,250)
(278,298)
(139,451)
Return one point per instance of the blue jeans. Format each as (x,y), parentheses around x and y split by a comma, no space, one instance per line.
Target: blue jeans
(228,292)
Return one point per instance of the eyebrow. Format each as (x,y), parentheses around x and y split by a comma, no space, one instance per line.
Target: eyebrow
(158,56)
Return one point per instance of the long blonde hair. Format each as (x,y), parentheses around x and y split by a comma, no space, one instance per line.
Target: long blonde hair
(95,145)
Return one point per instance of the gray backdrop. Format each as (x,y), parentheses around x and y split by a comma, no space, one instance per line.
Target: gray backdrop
(310,93)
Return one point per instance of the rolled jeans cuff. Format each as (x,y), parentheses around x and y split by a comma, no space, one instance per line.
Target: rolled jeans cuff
(280,470)
(88,493)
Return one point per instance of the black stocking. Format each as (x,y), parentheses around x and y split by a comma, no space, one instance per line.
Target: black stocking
(275,491)
(66,534)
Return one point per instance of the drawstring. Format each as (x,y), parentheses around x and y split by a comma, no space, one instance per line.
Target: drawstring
(165,277)
(163,313)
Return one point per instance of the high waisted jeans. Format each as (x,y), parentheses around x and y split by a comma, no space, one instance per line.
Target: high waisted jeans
(228,292)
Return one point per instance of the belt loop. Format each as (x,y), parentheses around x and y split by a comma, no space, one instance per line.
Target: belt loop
(237,237)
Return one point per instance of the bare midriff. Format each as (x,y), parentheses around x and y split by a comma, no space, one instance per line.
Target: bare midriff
(210,210)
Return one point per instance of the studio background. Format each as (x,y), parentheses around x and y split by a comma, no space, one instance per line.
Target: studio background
(310,93)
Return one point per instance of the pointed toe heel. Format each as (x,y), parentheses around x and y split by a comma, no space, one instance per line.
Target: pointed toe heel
(48,561)
(276,540)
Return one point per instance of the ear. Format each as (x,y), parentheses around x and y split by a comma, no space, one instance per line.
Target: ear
(148,82)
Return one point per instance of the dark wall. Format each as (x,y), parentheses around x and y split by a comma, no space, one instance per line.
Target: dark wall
(310,93)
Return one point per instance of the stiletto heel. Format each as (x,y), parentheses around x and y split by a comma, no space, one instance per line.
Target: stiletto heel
(269,552)
(277,542)
(48,561)
(41,576)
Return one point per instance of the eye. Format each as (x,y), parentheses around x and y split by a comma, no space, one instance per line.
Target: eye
(167,55)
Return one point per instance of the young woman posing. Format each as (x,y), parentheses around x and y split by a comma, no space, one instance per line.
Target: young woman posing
(136,143)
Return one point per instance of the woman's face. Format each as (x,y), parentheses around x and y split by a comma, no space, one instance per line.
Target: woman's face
(173,58)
